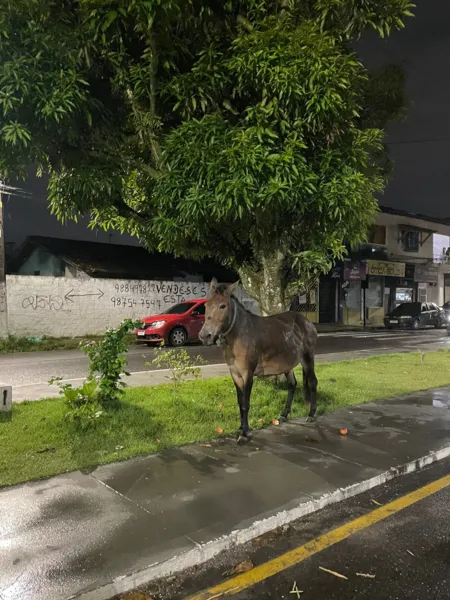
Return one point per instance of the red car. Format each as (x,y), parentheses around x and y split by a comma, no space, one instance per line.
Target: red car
(174,327)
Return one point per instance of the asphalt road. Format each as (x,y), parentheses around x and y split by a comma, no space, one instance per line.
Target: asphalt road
(38,367)
(406,555)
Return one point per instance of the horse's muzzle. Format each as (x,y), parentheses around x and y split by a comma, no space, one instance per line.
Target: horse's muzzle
(207,339)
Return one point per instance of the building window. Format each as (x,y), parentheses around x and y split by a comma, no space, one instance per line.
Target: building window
(377,235)
(410,241)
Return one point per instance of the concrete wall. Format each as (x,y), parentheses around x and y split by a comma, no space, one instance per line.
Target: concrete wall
(3,313)
(57,306)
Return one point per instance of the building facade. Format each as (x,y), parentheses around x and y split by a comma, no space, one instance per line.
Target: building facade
(402,261)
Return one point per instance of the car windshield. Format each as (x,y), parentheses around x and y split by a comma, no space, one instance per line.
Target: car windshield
(179,309)
(446,306)
(406,310)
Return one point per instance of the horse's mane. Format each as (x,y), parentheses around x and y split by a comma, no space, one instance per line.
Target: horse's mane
(222,288)
(239,303)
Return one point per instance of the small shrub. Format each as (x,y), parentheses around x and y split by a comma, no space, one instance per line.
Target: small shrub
(103,388)
(179,363)
(108,362)
(83,405)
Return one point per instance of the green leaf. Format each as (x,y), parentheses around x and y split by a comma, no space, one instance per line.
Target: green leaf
(110,18)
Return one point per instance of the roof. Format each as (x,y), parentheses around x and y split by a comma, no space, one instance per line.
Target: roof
(404,213)
(112,261)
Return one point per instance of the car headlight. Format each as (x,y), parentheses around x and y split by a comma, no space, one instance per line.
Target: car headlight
(157,324)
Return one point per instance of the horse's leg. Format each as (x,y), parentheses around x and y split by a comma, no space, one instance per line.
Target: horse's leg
(239,387)
(292,384)
(306,389)
(246,393)
(311,383)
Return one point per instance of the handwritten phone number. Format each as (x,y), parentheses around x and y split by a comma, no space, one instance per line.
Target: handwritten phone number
(178,289)
(122,302)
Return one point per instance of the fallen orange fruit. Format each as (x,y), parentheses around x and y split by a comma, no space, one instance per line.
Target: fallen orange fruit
(343,431)
(275,422)
(219,430)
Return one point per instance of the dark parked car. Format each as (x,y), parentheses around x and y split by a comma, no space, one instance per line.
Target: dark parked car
(415,315)
(446,308)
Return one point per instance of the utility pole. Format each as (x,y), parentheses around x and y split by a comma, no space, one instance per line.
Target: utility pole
(3,306)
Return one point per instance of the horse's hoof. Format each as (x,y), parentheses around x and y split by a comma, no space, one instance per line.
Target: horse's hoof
(242,432)
(311,419)
(283,419)
(242,440)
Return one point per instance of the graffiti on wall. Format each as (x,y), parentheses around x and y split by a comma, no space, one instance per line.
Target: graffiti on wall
(131,295)
(44,302)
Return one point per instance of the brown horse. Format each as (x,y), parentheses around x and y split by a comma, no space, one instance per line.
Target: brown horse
(260,346)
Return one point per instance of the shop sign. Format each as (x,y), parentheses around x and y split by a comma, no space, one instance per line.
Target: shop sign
(354,270)
(426,274)
(336,273)
(384,268)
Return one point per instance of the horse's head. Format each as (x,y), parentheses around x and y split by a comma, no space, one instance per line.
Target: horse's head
(219,312)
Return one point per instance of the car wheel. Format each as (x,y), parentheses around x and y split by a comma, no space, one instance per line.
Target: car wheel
(416,324)
(177,337)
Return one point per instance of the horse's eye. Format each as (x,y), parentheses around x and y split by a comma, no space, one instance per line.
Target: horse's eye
(222,306)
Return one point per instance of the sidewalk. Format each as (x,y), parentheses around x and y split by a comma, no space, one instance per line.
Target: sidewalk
(95,534)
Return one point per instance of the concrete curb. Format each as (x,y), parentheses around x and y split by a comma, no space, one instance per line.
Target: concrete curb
(204,552)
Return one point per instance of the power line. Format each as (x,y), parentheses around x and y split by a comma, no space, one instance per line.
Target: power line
(18,192)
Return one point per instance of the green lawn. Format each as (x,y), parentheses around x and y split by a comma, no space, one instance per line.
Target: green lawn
(13,344)
(37,443)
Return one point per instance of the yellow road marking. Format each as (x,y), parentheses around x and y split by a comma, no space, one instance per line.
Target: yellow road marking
(285,561)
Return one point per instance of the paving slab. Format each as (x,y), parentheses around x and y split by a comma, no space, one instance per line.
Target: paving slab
(70,534)
(92,535)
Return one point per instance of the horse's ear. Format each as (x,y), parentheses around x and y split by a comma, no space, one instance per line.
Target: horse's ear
(233,286)
(213,286)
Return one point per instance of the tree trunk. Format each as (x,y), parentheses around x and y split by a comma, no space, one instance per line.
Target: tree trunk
(267,285)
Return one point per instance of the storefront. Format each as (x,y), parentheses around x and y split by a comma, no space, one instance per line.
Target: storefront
(372,288)
(426,276)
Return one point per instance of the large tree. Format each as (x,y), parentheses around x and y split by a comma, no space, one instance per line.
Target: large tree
(246,130)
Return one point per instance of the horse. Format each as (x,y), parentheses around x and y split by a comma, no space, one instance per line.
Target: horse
(260,346)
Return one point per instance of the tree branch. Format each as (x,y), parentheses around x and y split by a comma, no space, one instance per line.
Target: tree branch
(156,149)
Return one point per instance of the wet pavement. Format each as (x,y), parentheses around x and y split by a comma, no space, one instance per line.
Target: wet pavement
(406,555)
(119,525)
(25,371)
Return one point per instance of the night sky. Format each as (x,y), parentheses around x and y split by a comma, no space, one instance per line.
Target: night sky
(420,146)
